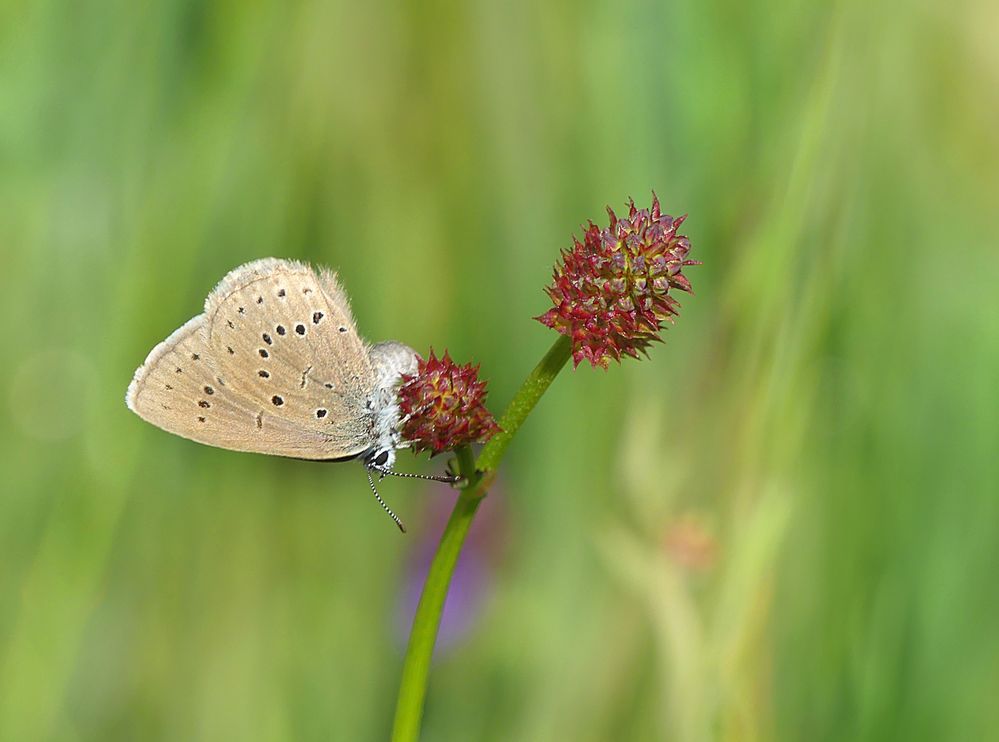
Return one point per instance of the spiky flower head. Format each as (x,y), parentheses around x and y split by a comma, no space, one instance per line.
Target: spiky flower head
(611,292)
(443,406)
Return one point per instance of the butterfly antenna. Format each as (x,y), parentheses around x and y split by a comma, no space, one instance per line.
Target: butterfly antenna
(381,502)
(445,478)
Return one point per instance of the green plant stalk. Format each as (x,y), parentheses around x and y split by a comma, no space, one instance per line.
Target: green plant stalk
(478,475)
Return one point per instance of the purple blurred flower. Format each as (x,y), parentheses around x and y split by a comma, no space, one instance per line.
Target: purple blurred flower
(474,574)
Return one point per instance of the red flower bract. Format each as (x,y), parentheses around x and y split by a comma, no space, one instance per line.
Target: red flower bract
(611,292)
(443,406)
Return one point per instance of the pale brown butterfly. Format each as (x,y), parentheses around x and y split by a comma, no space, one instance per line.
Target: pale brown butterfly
(275,365)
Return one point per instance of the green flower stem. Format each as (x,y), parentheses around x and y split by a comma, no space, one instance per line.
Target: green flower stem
(477,474)
(523,402)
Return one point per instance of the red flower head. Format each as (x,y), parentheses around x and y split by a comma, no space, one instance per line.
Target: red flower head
(443,406)
(612,291)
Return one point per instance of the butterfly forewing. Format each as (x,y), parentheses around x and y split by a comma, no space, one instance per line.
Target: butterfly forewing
(287,369)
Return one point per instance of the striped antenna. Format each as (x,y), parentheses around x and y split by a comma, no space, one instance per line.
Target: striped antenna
(386,508)
(445,478)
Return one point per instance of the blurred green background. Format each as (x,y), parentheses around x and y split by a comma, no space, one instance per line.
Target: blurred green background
(785,525)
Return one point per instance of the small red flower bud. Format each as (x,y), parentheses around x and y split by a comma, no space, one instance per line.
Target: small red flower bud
(611,292)
(443,406)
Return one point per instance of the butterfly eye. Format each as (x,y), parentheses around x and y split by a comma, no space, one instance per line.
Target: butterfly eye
(381,458)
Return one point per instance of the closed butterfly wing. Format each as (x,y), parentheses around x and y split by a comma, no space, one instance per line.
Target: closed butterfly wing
(274,365)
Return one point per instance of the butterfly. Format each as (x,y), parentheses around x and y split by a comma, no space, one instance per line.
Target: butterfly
(275,365)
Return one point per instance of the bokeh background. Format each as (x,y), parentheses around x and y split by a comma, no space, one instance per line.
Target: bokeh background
(784,525)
